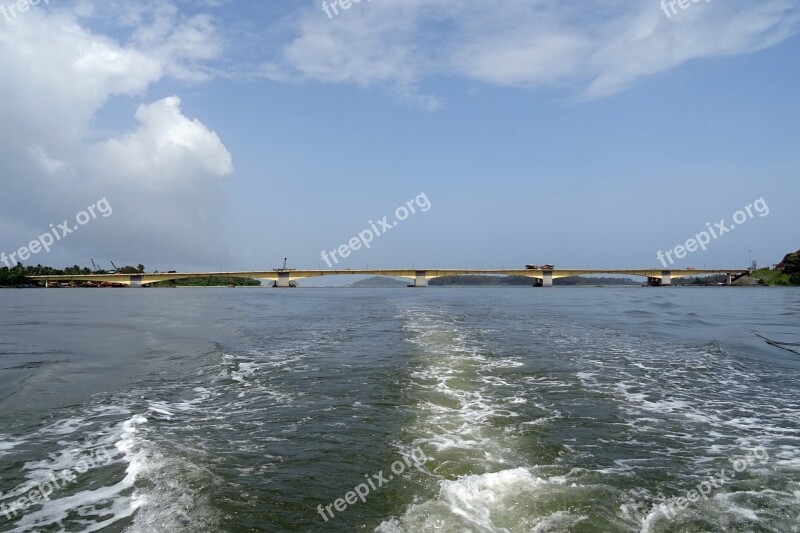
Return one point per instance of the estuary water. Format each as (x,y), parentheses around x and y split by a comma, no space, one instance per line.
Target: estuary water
(400,410)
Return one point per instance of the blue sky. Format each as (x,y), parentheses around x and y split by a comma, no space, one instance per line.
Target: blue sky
(233,134)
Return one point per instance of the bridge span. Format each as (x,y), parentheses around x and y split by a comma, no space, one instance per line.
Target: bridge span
(283,278)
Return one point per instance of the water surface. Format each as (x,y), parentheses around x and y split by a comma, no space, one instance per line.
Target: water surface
(565,409)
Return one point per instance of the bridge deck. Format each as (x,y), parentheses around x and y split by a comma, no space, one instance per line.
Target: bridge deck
(412,274)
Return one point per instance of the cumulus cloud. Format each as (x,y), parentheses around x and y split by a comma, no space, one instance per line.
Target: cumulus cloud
(591,48)
(164,177)
(167,150)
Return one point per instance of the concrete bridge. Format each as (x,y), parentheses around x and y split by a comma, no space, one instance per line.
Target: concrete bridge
(419,277)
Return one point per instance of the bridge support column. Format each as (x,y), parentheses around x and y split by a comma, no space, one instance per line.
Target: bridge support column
(729,279)
(284,281)
(666,277)
(136,282)
(547,279)
(421,279)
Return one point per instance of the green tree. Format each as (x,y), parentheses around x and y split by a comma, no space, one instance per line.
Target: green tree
(791,263)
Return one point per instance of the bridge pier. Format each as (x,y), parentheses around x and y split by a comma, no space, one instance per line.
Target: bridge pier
(729,279)
(421,279)
(547,278)
(284,281)
(136,282)
(664,281)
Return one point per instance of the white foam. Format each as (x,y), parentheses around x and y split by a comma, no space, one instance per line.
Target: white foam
(93,509)
(167,503)
(160,408)
(558,521)
(455,423)
(167,410)
(85,503)
(7,444)
(495,502)
(245,370)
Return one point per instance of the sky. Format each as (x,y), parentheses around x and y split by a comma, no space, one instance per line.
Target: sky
(228,135)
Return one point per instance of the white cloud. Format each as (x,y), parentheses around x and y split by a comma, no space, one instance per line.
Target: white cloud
(167,150)
(593,48)
(50,165)
(164,178)
(57,73)
(646,42)
(183,44)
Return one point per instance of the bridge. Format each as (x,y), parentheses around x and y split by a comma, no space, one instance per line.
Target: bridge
(283,278)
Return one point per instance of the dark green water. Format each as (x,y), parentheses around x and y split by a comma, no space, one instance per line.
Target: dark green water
(501,410)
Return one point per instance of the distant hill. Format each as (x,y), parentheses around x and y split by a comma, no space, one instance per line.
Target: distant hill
(482,281)
(523,281)
(379,282)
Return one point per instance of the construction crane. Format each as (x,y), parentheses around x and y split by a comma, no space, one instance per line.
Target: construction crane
(94,267)
(115,267)
(285,266)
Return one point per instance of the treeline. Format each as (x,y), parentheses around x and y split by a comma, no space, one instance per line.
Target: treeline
(785,273)
(12,277)
(211,281)
(17,276)
(715,279)
(577,280)
(790,266)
